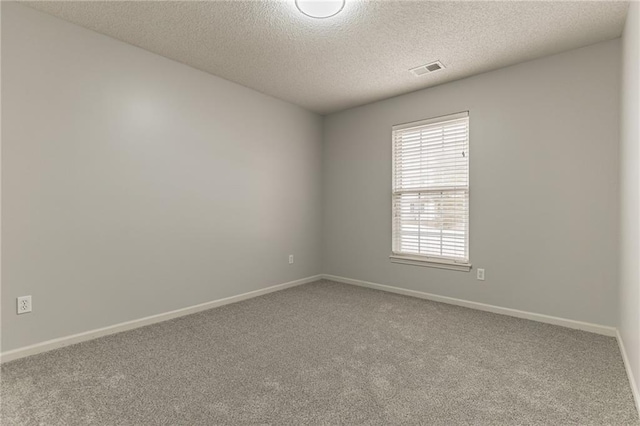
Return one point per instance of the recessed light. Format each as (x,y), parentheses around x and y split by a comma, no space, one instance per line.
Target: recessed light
(320,8)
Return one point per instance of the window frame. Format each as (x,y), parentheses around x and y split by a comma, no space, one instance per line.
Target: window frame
(424,260)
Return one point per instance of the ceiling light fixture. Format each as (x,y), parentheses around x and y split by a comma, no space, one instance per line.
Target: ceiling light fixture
(320,8)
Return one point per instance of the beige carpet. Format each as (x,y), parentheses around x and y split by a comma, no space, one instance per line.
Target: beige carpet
(327,353)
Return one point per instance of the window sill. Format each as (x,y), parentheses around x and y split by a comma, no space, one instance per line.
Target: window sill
(431,263)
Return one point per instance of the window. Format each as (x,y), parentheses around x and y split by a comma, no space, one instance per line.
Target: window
(431,192)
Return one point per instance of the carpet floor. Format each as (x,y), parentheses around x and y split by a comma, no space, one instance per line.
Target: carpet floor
(327,353)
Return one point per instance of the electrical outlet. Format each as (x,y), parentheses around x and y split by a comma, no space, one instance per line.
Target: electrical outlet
(24,304)
(481,274)
(290,259)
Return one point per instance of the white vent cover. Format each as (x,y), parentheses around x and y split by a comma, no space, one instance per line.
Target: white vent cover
(427,69)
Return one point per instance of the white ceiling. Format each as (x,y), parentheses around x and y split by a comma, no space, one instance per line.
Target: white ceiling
(361,55)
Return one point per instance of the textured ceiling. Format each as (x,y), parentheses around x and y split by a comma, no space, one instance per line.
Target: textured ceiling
(361,55)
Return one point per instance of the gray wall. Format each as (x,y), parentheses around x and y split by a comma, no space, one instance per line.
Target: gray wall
(630,191)
(544,186)
(133,185)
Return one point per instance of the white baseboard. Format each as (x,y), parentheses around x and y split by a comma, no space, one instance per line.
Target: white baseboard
(129,325)
(579,325)
(627,366)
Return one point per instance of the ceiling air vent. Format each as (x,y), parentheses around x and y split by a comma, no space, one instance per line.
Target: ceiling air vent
(428,68)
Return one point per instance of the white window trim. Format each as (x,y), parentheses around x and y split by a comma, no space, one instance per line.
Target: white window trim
(439,119)
(430,262)
(417,260)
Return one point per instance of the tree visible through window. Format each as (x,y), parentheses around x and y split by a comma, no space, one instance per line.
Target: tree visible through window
(431,189)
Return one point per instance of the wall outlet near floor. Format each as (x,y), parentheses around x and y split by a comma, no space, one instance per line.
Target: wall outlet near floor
(481,274)
(290,259)
(24,304)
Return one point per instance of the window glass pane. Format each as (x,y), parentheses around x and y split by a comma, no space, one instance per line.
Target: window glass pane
(431,189)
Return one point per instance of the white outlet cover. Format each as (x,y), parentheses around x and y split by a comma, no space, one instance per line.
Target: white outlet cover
(481,274)
(24,304)
(290,259)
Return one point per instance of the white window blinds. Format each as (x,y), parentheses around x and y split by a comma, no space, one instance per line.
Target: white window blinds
(431,189)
